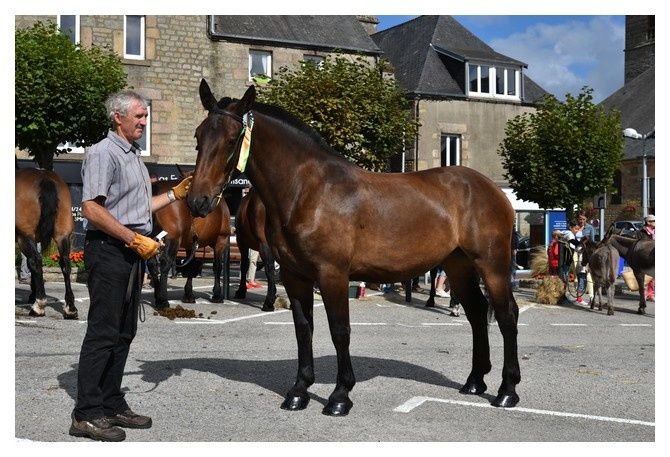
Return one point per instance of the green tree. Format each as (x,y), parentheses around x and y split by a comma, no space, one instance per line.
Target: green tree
(357,110)
(60,90)
(564,153)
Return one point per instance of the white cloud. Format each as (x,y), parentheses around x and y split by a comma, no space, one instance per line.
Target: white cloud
(562,58)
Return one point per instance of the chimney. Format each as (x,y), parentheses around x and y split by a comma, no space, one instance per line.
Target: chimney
(369,23)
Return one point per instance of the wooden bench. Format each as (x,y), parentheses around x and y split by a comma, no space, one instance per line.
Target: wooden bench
(207,254)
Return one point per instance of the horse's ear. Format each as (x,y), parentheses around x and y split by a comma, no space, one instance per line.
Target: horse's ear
(247,100)
(206,98)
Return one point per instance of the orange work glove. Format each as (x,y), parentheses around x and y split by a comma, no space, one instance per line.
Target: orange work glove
(144,246)
(181,189)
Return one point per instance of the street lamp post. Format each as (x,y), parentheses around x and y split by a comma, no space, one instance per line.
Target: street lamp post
(632,133)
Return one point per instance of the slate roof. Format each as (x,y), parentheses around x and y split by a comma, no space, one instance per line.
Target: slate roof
(326,33)
(427,53)
(635,101)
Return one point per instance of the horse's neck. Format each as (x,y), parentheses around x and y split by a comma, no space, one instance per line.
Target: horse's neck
(279,154)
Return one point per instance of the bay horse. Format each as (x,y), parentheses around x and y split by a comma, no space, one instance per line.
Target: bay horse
(43,211)
(640,256)
(189,233)
(250,233)
(603,263)
(329,221)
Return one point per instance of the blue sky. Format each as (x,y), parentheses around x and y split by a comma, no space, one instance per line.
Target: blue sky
(563,53)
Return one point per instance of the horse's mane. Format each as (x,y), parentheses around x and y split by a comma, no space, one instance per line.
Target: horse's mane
(284,116)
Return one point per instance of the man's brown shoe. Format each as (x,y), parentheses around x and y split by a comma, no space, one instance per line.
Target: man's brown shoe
(129,419)
(98,429)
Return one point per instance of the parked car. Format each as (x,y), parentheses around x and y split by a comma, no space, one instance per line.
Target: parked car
(628,226)
(523,253)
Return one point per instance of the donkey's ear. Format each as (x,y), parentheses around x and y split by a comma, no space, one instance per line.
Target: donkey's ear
(247,100)
(206,98)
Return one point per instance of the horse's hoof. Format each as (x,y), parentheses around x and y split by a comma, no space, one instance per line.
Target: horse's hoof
(641,310)
(430,303)
(337,408)
(506,400)
(473,388)
(165,305)
(295,403)
(73,316)
(268,308)
(610,312)
(188,300)
(216,300)
(34,313)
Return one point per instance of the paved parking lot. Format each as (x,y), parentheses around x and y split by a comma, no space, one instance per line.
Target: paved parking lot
(221,377)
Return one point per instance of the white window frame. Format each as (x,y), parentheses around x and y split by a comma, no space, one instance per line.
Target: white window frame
(139,56)
(77,26)
(445,141)
(146,152)
(267,57)
(491,93)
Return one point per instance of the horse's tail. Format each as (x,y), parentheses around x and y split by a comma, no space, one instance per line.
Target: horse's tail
(48,198)
(191,255)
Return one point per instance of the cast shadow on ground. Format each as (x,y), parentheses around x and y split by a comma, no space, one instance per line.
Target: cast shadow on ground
(275,375)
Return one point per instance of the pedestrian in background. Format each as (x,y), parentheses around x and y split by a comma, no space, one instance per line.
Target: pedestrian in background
(648,232)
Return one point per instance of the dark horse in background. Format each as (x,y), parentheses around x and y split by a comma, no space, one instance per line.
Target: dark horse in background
(640,255)
(190,233)
(44,212)
(329,221)
(250,233)
(603,262)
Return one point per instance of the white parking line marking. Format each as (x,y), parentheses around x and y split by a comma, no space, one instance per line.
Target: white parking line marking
(368,323)
(414,402)
(278,323)
(441,323)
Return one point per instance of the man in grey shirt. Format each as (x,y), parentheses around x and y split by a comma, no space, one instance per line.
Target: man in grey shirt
(117,203)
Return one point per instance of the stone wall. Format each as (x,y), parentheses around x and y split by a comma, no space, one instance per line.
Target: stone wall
(480,124)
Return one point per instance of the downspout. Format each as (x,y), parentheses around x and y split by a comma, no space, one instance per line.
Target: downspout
(416,138)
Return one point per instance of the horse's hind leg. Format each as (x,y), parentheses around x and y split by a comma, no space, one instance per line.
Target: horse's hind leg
(301,296)
(268,259)
(431,297)
(66,267)
(244,268)
(496,279)
(639,276)
(464,282)
(217,291)
(34,258)
(335,292)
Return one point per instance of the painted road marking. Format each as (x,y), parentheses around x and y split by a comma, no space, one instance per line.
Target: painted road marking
(569,325)
(441,323)
(635,325)
(414,402)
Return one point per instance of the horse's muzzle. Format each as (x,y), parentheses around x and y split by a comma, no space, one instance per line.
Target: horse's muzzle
(200,206)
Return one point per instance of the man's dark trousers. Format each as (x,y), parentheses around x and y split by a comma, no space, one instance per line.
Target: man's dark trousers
(112,325)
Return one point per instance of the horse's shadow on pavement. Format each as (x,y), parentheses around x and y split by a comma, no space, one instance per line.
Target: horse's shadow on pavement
(275,375)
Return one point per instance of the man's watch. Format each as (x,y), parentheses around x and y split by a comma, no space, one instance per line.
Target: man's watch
(170,195)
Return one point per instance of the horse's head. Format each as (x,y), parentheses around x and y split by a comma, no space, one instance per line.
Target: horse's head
(588,247)
(218,141)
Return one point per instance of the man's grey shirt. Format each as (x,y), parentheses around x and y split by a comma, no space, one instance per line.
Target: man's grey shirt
(113,169)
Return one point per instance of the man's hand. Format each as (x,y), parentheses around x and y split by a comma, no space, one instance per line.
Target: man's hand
(181,189)
(144,246)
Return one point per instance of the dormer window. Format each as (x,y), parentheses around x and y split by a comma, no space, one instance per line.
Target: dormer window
(488,81)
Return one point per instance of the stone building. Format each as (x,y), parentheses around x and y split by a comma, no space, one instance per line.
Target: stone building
(636,102)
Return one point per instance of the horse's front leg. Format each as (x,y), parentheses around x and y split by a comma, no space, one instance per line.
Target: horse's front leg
(66,268)
(301,297)
(335,293)
(639,276)
(431,297)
